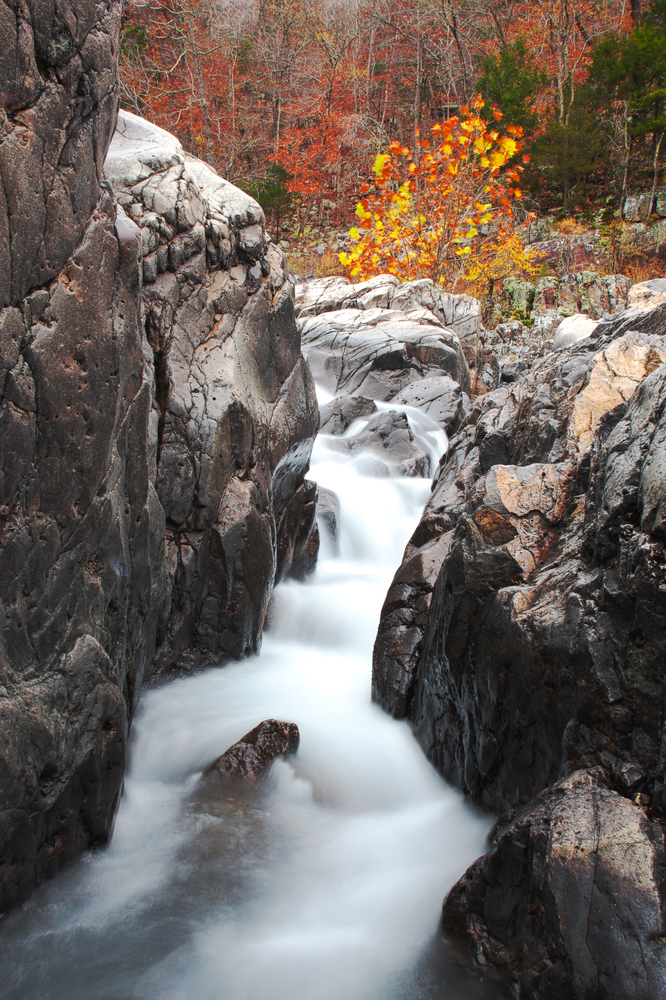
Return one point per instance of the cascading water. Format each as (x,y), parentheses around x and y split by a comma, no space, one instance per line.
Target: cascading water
(324,885)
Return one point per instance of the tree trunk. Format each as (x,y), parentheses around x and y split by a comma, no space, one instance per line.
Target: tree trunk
(654,173)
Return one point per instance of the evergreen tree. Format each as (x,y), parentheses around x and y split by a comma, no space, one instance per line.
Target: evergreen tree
(512,81)
(569,151)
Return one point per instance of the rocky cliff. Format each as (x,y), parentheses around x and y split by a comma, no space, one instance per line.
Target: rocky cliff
(524,637)
(157,418)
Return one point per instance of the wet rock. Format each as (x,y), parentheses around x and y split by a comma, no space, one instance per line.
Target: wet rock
(375,338)
(440,397)
(523,636)
(335,417)
(390,436)
(235,404)
(567,901)
(328,514)
(516,510)
(250,758)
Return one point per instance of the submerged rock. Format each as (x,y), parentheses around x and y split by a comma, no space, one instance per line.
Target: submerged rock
(341,412)
(389,435)
(250,758)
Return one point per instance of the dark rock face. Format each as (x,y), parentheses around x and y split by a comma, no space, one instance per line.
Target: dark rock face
(567,902)
(81,554)
(524,636)
(152,452)
(58,92)
(250,758)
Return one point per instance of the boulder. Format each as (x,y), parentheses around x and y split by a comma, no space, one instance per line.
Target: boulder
(235,405)
(375,338)
(567,902)
(440,397)
(523,636)
(389,435)
(335,417)
(573,330)
(507,517)
(251,757)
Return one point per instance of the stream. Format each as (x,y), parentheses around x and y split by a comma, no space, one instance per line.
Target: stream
(324,884)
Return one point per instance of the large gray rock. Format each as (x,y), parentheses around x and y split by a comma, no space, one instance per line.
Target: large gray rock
(440,397)
(152,452)
(235,404)
(491,569)
(567,902)
(82,545)
(375,338)
(524,636)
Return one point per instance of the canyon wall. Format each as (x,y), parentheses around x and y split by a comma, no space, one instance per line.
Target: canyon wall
(157,419)
(524,638)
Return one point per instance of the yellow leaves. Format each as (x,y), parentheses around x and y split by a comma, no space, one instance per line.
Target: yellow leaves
(380,164)
(440,216)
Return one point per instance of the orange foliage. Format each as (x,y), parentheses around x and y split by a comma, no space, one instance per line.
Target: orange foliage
(444,210)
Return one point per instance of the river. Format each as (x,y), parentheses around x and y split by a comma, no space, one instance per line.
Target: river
(326,883)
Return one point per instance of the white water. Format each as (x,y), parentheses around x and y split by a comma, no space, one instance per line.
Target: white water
(328,884)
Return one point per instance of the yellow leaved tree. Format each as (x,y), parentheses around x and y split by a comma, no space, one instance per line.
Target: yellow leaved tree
(444,211)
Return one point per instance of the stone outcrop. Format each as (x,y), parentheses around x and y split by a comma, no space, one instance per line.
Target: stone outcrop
(154,442)
(567,902)
(375,338)
(236,409)
(523,636)
(552,299)
(250,758)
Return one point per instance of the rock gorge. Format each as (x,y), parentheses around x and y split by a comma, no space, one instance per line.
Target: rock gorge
(158,417)
(523,636)
(157,423)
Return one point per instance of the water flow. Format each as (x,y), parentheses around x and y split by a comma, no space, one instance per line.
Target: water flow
(324,885)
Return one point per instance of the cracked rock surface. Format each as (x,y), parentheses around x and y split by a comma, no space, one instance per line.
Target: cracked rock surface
(376,338)
(82,549)
(235,407)
(154,441)
(524,634)
(567,900)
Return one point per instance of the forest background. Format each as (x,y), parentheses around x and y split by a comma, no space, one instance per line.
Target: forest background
(314,105)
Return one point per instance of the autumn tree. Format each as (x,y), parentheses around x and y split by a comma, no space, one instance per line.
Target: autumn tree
(444,213)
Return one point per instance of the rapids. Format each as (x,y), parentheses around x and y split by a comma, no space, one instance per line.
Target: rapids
(327,883)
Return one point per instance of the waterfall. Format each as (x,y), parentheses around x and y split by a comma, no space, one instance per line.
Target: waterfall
(326,883)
